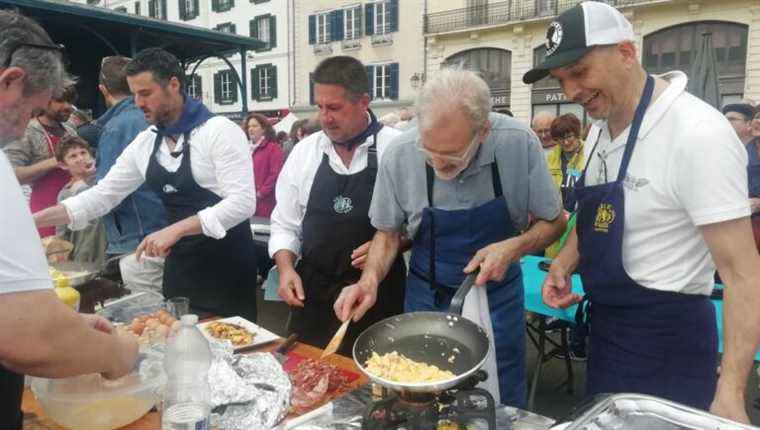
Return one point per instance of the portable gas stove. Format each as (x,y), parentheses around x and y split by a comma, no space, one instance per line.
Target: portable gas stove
(463,406)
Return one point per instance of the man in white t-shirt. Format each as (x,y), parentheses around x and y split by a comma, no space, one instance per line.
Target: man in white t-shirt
(39,335)
(662,203)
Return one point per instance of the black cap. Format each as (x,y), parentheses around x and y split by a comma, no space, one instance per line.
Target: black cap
(743,108)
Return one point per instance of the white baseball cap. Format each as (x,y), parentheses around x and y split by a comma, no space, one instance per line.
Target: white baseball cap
(578,30)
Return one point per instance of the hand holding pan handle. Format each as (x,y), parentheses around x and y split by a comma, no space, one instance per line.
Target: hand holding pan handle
(458,301)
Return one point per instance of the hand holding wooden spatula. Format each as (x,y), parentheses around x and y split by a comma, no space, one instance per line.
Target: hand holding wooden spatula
(338,338)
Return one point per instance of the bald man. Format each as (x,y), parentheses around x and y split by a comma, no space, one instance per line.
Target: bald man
(541,125)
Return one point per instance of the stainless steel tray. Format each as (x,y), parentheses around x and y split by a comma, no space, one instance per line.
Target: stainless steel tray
(641,412)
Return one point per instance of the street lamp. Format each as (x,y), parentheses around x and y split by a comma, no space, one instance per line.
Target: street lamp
(416,80)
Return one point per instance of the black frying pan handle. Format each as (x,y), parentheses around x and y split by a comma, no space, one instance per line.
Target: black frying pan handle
(458,301)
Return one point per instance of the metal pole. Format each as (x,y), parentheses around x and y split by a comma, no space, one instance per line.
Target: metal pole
(244,80)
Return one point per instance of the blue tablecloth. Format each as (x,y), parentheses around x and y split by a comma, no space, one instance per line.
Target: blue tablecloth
(533,277)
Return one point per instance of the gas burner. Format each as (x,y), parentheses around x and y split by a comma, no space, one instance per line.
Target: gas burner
(463,405)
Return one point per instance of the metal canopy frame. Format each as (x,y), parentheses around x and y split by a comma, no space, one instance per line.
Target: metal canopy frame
(95,32)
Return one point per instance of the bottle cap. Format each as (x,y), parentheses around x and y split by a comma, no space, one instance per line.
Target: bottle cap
(189,319)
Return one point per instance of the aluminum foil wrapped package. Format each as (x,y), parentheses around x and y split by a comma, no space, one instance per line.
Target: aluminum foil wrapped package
(247,391)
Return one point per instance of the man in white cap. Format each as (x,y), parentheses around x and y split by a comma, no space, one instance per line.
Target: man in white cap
(650,232)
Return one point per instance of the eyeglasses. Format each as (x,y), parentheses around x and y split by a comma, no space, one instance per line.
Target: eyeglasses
(58,48)
(457,159)
(566,138)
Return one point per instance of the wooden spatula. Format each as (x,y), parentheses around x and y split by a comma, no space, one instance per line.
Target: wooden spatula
(337,339)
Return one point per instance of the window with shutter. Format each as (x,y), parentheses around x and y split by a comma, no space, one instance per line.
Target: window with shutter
(382,18)
(352,21)
(323,28)
(261,29)
(228,88)
(384,81)
(194,87)
(188,9)
(137,8)
(226,27)
(152,8)
(223,5)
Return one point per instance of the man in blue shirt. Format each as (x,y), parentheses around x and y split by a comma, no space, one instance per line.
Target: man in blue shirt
(141,213)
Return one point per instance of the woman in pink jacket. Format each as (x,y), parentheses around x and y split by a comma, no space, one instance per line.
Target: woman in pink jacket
(267,161)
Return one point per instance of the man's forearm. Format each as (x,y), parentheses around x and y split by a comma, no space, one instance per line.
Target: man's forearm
(541,234)
(188,227)
(569,257)
(382,253)
(741,322)
(29,174)
(47,339)
(52,216)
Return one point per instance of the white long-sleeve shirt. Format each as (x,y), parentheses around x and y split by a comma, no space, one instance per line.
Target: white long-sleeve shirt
(297,177)
(220,161)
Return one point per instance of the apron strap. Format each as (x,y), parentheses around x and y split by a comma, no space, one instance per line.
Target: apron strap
(638,118)
(496,180)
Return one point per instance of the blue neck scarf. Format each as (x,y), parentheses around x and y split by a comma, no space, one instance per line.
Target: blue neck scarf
(373,127)
(194,113)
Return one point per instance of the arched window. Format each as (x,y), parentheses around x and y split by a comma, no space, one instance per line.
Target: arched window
(674,48)
(495,65)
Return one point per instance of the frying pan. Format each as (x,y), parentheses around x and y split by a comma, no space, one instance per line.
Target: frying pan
(446,340)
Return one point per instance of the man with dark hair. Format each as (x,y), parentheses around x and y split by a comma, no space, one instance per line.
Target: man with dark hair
(323,195)
(33,157)
(740,116)
(140,213)
(207,196)
(39,335)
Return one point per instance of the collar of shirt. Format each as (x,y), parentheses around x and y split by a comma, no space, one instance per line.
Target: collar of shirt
(358,161)
(677,85)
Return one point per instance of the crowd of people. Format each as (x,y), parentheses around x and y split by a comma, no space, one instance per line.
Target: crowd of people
(645,202)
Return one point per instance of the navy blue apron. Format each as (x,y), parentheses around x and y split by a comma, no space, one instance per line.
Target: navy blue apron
(217,275)
(335,223)
(444,244)
(641,340)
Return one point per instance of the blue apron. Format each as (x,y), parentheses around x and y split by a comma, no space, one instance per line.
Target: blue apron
(444,244)
(641,340)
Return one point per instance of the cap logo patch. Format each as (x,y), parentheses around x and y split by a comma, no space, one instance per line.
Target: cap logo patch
(553,37)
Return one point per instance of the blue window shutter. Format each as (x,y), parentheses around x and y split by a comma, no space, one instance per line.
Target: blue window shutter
(235,86)
(217,88)
(393,5)
(182,10)
(371,79)
(369,19)
(272,31)
(273,82)
(311,89)
(312,29)
(337,25)
(253,28)
(394,81)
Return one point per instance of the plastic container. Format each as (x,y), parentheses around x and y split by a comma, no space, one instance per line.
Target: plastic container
(187,395)
(94,403)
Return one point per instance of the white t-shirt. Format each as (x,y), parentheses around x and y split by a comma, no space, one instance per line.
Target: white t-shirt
(23,266)
(688,169)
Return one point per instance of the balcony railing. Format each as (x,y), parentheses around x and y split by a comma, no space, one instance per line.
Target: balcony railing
(504,12)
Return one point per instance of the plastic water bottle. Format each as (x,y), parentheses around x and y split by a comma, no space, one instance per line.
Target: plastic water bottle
(187,360)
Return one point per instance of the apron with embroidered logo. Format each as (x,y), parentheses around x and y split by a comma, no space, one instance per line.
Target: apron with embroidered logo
(641,340)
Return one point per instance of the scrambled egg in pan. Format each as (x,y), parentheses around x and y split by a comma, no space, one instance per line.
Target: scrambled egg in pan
(397,368)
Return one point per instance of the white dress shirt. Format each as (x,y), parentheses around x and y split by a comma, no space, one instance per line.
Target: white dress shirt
(297,176)
(220,160)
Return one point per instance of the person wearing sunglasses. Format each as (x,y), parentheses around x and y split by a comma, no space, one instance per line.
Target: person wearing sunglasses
(39,334)
(463,185)
(662,202)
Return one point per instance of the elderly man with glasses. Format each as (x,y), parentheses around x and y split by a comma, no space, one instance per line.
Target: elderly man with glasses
(464,183)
